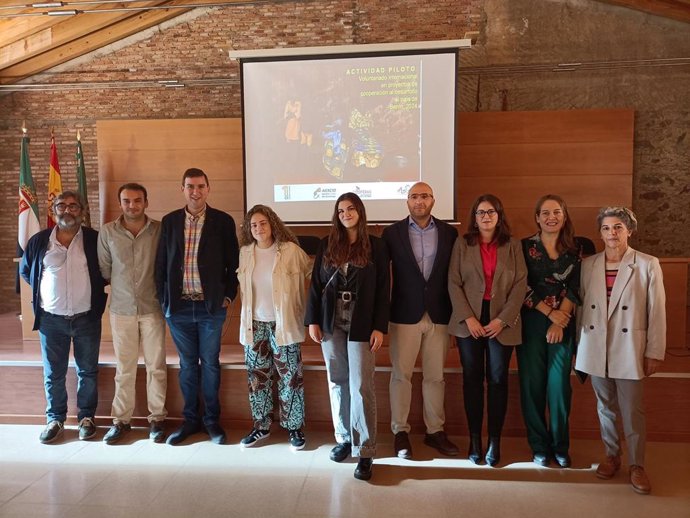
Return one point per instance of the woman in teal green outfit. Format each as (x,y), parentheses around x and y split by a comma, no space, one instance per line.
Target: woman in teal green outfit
(545,356)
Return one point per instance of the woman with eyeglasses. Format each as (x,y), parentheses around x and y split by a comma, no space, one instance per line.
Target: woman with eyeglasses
(347,312)
(486,282)
(272,273)
(545,356)
(622,338)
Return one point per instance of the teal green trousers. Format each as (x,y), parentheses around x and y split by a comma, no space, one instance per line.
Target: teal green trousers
(544,371)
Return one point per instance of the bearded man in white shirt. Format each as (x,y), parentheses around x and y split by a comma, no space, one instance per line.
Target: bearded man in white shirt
(61,265)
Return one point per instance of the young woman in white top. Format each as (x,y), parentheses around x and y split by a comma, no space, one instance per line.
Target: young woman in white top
(272,274)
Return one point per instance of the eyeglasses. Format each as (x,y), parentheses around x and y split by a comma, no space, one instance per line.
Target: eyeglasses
(424,196)
(62,207)
(481,213)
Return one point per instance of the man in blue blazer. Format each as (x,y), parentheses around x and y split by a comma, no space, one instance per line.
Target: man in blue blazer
(195,274)
(420,247)
(68,299)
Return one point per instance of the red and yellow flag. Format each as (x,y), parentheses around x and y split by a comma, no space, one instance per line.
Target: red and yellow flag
(54,181)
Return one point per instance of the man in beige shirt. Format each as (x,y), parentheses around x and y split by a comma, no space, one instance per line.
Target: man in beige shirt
(126,255)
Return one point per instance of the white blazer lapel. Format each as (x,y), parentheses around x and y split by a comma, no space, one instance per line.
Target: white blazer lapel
(598,284)
(625,272)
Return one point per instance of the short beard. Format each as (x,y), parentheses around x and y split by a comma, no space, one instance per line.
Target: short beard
(64,225)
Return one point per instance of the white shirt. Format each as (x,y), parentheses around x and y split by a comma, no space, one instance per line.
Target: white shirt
(262,283)
(65,284)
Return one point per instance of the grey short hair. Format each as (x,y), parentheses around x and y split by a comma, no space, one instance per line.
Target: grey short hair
(68,194)
(623,213)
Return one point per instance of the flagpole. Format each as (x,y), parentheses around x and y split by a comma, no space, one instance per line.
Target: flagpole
(81,180)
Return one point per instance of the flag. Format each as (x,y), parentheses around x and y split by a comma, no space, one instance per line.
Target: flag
(28,201)
(81,179)
(54,181)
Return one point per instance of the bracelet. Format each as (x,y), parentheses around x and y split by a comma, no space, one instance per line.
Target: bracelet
(550,311)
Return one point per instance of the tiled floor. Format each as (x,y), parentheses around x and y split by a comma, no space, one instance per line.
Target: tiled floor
(200,479)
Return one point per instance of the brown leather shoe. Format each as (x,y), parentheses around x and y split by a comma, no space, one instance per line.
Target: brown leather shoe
(639,481)
(609,467)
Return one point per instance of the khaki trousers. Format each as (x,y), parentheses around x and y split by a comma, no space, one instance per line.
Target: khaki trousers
(130,335)
(407,341)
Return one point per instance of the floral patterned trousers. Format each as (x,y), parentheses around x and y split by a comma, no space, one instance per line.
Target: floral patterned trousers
(264,358)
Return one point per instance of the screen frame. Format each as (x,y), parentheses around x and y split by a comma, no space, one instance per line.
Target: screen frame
(262,57)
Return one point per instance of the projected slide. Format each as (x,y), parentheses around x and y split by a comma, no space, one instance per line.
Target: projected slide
(316,128)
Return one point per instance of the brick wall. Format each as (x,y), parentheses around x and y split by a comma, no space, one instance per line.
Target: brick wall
(195,49)
(516,32)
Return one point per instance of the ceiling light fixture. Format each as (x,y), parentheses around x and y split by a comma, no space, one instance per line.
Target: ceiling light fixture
(70,12)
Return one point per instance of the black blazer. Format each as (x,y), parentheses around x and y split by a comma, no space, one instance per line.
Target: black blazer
(217,259)
(412,295)
(373,289)
(31,270)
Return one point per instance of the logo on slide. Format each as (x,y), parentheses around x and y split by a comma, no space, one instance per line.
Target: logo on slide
(286,192)
(317,193)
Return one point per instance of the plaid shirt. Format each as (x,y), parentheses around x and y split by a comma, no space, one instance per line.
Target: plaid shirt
(191,281)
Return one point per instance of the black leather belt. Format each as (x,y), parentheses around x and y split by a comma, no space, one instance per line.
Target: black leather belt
(347,296)
(70,317)
(192,296)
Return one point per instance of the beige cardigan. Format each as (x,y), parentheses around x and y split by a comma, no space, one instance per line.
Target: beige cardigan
(466,286)
(290,270)
(632,327)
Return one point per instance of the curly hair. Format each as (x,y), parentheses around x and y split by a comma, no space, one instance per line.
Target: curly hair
(279,231)
(501,233)
(339,249)
(566,237)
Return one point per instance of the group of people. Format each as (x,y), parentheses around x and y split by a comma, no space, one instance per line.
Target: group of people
(419,280)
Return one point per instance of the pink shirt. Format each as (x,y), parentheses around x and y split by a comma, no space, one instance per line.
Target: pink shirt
(489,253)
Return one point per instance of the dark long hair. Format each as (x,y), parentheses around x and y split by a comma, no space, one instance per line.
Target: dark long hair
(280,233)
(339,250)
(566,237)
(501,232)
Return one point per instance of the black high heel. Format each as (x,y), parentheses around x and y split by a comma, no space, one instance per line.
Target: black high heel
(493,452)
(474,452)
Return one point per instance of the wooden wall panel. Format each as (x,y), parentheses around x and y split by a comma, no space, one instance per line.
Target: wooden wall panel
(667,402)
(546,159)
(586,156)
(157,152)
(545,126)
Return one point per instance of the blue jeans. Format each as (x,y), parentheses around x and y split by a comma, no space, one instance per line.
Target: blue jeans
(350,367)
(56,335)
(196,334)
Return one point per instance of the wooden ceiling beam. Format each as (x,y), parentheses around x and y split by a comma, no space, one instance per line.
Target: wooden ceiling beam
(16,29)
(92,37)
(57,34)
(675,9)
(85,44)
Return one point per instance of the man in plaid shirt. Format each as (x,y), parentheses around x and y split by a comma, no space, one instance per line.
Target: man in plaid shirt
(196,261)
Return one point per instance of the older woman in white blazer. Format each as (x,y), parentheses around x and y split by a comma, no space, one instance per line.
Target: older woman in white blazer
(622,338)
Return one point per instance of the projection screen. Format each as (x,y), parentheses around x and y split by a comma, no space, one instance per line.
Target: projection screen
(316,127)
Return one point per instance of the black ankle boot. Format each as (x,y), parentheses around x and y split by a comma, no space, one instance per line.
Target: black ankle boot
(474,452)
(493,452)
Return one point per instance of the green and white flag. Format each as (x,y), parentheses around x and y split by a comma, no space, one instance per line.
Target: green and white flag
(28,201)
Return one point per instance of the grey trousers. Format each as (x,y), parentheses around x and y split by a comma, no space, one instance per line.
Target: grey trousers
(350,367)
(619,397)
